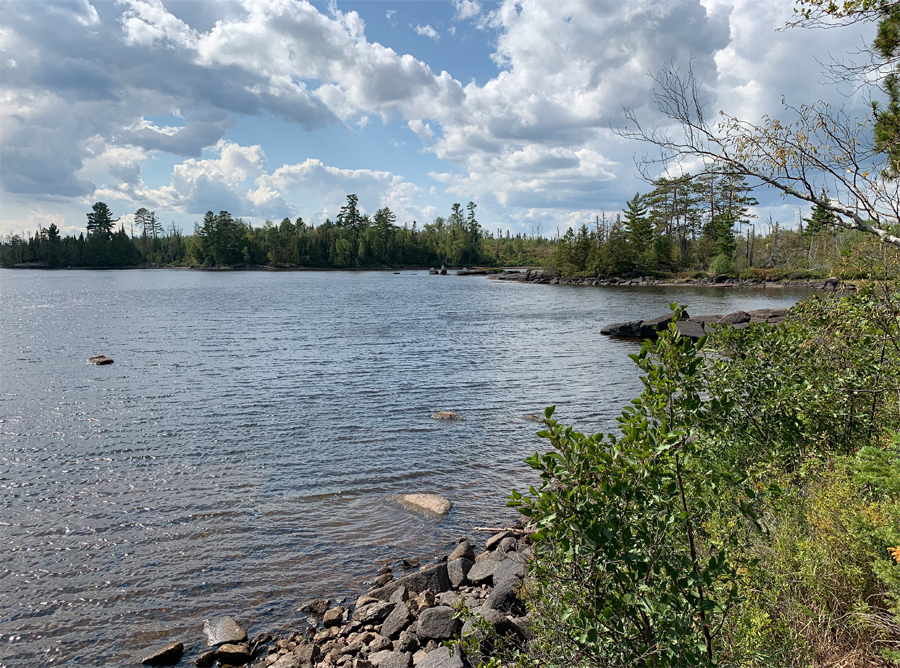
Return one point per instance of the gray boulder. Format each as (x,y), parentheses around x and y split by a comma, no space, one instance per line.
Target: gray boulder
(373,613)
(316,606)
(462,551)
(503,597)
(441,658)
(396,622)
(483,572)
(396,660)
(235,655)
(437,624)
(508,568)
(458,569)
(736,318)
(223,630)
(430,577)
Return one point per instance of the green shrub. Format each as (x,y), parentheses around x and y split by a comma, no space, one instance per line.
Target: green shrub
(721,264)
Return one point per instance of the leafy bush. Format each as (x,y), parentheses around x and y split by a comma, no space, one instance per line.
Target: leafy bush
(721,264)
(747,515)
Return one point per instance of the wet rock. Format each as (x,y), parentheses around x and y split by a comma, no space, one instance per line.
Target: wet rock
(167,656)
(413,562)
(430,577)
(462,551)
(100,360)
(333,617)
(445,415)
(437,624)
(206,659)
(530,417)
(317,606)
(629,330)
(235,655)
(382,580)
(396,622)
(223,630)
(427,503)
(458,569)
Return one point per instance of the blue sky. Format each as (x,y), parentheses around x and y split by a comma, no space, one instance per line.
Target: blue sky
(274,108)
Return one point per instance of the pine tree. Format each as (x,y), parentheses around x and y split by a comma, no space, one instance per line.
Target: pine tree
(100,221)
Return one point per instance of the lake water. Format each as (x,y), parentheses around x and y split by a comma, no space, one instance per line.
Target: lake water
(240,455)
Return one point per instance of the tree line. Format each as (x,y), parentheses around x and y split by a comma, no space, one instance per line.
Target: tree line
(353,240)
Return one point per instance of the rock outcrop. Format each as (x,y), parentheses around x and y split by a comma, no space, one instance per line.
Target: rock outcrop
(695,327)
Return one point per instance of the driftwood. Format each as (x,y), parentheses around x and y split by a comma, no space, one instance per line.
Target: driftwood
(516,531)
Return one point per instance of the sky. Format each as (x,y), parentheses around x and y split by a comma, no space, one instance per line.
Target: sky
(274,108)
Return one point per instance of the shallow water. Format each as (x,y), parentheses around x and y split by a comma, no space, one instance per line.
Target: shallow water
(240,455)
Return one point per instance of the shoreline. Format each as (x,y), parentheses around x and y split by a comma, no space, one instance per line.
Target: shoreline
(400,622)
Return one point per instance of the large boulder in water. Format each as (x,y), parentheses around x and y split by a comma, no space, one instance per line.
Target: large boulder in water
(428,503)
(100,360)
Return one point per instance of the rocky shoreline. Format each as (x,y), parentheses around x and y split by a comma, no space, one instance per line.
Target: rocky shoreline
(415,619)
(694,327)
(549,277)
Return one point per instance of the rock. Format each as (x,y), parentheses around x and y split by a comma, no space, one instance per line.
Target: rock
(373,613)
(462,551)
(495,540)
(223,630)
(483,572)
(167,656)
(458,569)
(236,655)
(736,318)
(317,606)
(509,568)
(650,328)
(364,600)
(429,503)
(629,330)
(396,622)
(334,617)
(380,643)
(441,658)
(307,652)
(437,624)
(430,577)
(770,315)
(445,415)
(384,569)
(719,278)
(691,329)
(408,642)
(507,544)
(413,562)
(443,270)
(503,596)
(400,596)
(382,580)
(100,360)
(396,660)
(432,271)
(206,659)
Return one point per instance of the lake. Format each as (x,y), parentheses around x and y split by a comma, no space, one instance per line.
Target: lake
(241,454)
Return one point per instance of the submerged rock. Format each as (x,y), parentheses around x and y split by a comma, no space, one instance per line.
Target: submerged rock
(430,503)
(445,415)
(99,360)
(167,656)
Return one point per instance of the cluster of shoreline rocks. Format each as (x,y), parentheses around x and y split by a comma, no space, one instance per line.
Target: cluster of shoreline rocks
(413,620)
(696,327)
(549,277)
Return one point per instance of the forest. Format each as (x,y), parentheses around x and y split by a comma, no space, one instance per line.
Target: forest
(688,226)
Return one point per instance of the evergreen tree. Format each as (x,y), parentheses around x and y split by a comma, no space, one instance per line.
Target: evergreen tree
(638,228)
(100,221)
(820,220)
(887,119)
(349,215)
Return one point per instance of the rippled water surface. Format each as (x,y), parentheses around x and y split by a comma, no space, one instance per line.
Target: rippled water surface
(241,454)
